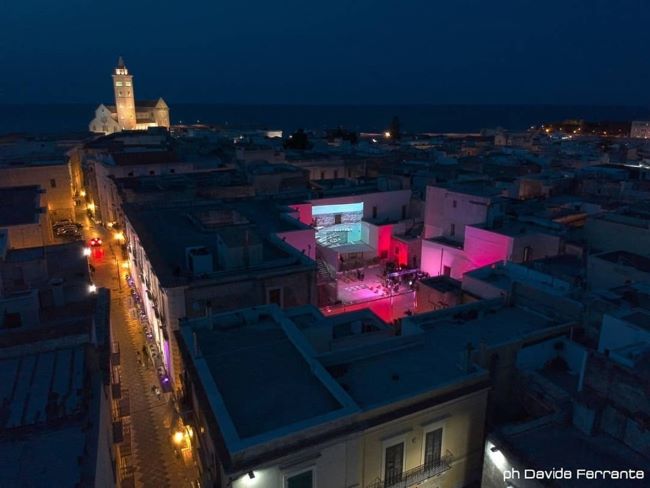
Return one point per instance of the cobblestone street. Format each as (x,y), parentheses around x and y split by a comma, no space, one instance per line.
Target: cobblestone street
(153,457)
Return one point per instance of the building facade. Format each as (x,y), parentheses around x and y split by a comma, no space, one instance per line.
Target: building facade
(128,113)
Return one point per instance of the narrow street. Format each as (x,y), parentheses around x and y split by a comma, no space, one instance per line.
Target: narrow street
(155,462)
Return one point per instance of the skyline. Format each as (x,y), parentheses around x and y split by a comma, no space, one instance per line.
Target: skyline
(577,53)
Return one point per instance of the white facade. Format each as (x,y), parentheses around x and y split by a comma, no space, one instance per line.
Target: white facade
(447,212)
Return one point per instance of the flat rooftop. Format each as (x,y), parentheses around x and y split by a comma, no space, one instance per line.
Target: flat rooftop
(254,364)
(626,258)
(479,324)
(167,232)
(41,387)
(442,284)
(43,459)
(20,205)
(258,380)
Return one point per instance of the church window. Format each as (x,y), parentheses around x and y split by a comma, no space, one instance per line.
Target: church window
(127,83)
(118,83)
(119,93)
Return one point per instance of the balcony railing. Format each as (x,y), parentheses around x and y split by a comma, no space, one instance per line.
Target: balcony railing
(415,475)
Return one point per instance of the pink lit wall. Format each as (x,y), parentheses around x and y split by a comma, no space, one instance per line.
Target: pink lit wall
(435,257)
(304,240)
(303,212)
(484,247)
(400,252)
(384,239)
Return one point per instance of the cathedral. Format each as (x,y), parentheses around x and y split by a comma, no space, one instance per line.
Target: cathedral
(128,113)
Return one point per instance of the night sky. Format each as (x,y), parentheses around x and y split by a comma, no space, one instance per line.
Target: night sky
(322,52)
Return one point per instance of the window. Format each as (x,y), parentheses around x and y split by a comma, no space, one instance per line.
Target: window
(452,230)
(118,83)
(336,173)
(338,218)
(403,212)
(393,463)
(433,447)
(528,251)
(446,270)
(300,480)
(322,175)
(274,295)
(454,203)
(52,183)
(127,83)
(374,212)
(119,93)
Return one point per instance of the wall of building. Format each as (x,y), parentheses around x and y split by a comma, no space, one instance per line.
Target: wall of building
(482,288)
(484,246)
(29,235)
(334,466)
(54,179)
(631,235)
(388,204)
(602,273)
(429,299)
(437,256)
(616,332)
(444,208)
(304,240)
(462,422)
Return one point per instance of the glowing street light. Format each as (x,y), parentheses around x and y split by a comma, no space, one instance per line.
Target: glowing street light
(92,288)
(387,135)
(86,251)
(178,437)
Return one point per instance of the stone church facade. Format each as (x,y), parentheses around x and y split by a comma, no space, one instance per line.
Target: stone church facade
(128,113)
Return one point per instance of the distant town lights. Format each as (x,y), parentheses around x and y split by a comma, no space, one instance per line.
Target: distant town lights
(387,135)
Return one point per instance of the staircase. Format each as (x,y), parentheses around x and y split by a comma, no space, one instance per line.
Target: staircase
(324,272)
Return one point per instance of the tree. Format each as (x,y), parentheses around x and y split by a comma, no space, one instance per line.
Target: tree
(298,140)
(394,129)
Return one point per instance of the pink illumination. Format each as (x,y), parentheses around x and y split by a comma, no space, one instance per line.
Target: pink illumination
(304,212)
(400,252)
(384,240)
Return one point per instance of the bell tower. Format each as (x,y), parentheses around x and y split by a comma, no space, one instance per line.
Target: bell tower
(124,97)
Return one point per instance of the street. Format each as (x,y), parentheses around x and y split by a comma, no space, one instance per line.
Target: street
(153,458)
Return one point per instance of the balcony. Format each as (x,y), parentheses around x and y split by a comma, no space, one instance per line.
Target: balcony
(416,475)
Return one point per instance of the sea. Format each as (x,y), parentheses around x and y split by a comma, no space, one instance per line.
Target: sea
(63,118)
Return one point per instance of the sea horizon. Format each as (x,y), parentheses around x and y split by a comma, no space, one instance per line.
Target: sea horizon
(62,117)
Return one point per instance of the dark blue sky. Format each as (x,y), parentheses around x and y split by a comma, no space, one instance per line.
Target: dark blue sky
(344,51)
